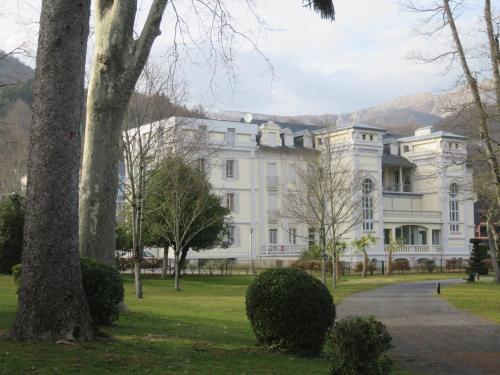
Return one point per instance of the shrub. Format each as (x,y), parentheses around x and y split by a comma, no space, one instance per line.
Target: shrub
(358,347)
(103,287)
(290,311)
(11,232)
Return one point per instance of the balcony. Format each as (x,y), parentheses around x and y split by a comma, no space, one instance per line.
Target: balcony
(398,188)
(272,182)
(415,249)
(411,214)
(275,250)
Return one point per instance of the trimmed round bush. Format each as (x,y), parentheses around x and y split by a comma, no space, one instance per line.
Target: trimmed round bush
(103,287)
(290,311)
(358,347)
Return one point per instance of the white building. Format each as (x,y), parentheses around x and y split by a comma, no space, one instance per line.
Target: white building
(416,188)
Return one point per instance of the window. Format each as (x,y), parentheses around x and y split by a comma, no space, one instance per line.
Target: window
(231,234)
(387,236)
(363,136)
(320,141)
(312,237)
(371,137)
(203,132)
(230,168)
(436,237)
(406,148)
(202,164)
(412,234)
(454,214)
(272,169)
(292,236)
(273,236)
(230,136)
(367,205)
(230,201)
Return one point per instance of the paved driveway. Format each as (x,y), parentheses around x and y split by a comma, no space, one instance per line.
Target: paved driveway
(429,335)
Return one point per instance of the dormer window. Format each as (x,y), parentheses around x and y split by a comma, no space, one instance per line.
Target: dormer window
(231,135)
(406,148)
(371,137)
(363,137)
(320,141)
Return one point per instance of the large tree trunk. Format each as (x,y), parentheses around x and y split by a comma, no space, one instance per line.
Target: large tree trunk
(99,181)
(52,303)
(117,63)
(323,255)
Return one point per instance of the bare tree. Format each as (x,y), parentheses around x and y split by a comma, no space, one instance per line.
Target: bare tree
(441,17)
(327,196)
(52,302)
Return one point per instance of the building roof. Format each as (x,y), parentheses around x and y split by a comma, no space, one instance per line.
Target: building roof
(354,125)
(396,161)
(439,134)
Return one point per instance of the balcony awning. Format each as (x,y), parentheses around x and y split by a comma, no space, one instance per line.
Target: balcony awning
(389,160)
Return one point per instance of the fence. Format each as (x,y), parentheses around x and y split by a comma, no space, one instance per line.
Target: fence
(227,267)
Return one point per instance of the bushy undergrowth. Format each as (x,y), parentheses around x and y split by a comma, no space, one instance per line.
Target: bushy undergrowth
(358,347)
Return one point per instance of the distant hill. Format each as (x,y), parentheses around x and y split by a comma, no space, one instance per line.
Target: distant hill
(14,71)
(401,115)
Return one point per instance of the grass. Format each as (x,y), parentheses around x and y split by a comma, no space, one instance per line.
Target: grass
(200,330)
(481,298)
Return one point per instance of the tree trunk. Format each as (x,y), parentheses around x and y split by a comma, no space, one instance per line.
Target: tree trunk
(117,63)
(334,271)
(337,263)
(389,263)
(164,268)
(365,263)
(52,303)
(99,180)
(138,278)
(323,256)
(176,253)
(493,244)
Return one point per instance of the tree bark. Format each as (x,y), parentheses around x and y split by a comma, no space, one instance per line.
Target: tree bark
(138,278)
(52,303)
(323,255)
(389,263)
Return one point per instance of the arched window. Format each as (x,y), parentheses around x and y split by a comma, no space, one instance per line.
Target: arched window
(454,217)
(367,202)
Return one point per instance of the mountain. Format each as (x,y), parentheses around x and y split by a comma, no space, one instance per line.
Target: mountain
(13,71)
(401,115)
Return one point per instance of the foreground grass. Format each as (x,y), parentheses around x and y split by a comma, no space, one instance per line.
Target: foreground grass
(200,330)
(481,298)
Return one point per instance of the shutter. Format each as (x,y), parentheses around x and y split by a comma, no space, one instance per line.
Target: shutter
(236,169)
(236,202)
(223,169)
(237,236)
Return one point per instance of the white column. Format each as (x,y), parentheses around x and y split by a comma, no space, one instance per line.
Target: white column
(400,178)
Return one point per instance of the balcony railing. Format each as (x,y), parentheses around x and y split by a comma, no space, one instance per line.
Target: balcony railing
(416,249)
(399,188)
(275,250)
(407,213)
(272,182)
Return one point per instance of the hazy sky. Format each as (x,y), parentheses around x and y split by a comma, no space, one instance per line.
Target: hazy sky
(360,60)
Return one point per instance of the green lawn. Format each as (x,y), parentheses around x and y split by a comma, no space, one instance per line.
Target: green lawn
(200,330)
(481,298)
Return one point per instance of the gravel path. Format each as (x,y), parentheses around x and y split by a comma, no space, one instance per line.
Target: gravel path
(429,335)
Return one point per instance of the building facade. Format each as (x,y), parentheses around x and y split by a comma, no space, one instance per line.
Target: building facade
(414,188)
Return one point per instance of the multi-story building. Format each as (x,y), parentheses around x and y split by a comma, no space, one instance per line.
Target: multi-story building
(415,187)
